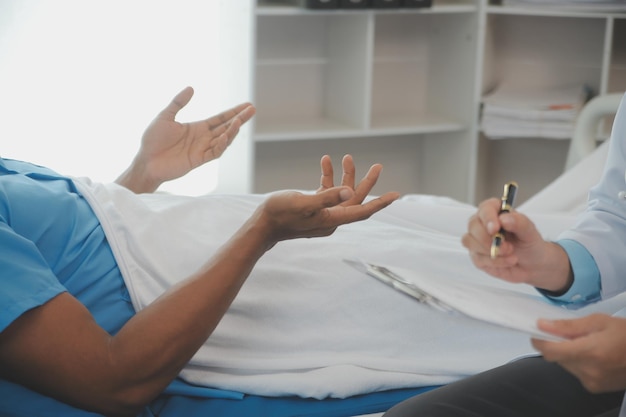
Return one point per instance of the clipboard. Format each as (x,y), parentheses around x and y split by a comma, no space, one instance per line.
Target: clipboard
(505,308)
(386,276)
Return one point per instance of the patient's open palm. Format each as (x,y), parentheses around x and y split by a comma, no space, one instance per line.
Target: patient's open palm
(171,149)
(291,214)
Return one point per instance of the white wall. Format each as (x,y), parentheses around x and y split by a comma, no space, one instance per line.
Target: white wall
(80,80)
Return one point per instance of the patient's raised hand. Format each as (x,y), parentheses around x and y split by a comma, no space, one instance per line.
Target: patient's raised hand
(170,149)
(290,214)
(362,190)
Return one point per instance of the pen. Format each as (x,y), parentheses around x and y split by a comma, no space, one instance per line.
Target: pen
(508,197)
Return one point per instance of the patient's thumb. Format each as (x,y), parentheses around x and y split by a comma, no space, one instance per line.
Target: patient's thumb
(345,193)
(334,196)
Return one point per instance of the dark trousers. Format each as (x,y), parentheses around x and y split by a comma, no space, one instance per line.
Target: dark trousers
(528,387)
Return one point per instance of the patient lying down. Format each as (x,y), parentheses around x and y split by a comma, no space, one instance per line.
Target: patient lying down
(126,272)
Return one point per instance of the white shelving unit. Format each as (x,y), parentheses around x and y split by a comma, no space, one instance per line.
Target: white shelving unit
(541,49)
(403,87)
(395,86)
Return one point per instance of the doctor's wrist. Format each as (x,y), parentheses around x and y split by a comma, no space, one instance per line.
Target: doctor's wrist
(556,276)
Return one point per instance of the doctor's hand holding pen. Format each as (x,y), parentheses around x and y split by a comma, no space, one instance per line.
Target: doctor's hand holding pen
(522,255)
(592,347)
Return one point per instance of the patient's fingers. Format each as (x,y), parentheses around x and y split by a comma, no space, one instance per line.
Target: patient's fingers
(224,118)
(349,171)
(232,127)
(178,102)
(364,187)
(339,215)
(327,179)
(214,137)
(368,182)
(295,215)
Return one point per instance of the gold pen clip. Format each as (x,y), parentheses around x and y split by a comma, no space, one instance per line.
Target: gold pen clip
(506,205)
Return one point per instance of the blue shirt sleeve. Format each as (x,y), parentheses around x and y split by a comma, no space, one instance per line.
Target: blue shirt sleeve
(586,286)
(26,279)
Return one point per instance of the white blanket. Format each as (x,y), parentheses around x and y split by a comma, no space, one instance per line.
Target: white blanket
(306,323)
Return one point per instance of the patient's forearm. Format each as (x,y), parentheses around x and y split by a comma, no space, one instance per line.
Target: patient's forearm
(175,325)
(80,364)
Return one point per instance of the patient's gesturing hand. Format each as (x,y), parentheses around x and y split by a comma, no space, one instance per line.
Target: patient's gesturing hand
(348,178)
(290,214)
(170,149)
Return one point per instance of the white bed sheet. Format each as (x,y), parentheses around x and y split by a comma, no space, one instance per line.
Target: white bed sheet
(306,323)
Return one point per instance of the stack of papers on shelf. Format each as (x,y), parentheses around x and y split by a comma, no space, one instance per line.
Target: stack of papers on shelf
(580,5)
(514,112)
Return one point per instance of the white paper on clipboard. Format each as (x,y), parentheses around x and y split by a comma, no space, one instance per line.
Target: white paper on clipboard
(507,308)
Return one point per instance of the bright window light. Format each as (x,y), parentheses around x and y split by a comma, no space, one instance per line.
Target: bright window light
(80,80)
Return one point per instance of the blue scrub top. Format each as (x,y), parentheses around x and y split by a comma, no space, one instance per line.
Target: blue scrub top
(51,242)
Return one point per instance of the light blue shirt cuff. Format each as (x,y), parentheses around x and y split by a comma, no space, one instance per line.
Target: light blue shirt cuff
(587,285)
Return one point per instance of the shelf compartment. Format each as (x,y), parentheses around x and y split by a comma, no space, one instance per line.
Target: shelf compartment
(543,51)
(311,72)
(423,69)
(418,163)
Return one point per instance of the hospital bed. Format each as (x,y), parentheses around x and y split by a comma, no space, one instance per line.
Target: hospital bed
(585,158)
(590,120)
(308,335)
